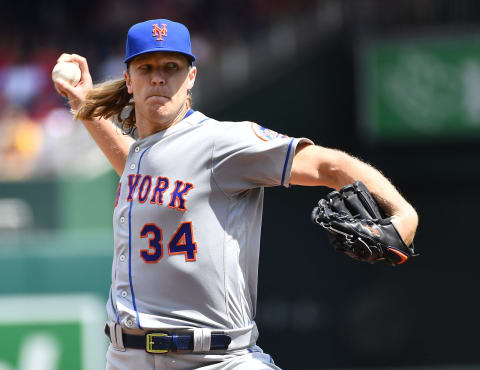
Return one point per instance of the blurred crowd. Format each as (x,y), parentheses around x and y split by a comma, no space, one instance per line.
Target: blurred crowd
(39,137)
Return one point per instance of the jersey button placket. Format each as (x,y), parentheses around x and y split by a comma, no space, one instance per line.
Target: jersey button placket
(132,166)
(122,258)
(123,293)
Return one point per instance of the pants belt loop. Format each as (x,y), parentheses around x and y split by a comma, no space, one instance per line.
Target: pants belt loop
(201,339)
(116,337)
(118,331)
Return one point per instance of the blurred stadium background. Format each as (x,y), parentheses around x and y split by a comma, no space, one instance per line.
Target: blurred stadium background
(397,83)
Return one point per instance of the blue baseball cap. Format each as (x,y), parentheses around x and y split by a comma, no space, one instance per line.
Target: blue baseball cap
(158,35)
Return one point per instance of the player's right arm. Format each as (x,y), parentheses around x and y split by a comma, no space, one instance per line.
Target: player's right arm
(114,144)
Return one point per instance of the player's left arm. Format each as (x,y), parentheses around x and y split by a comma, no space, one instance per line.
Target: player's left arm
(319,166)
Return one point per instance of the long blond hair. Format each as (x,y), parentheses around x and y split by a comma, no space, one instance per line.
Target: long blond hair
(109,99)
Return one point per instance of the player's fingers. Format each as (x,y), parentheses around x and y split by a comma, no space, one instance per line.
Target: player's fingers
(64,88)
(65,58)
(82,63)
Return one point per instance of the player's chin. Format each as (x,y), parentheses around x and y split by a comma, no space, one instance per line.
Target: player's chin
(157,105)
(160,111)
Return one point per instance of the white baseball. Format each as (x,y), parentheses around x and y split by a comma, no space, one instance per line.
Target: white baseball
(68,71)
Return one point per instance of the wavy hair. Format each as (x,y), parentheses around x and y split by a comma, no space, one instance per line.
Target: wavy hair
(109,99)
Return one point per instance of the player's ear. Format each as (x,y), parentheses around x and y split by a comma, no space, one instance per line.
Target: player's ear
(128,81)
(192,74)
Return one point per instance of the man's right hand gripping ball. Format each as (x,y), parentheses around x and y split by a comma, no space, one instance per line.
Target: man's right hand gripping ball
(357,227)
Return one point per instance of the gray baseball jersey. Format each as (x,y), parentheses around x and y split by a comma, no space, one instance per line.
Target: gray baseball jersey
(187,223)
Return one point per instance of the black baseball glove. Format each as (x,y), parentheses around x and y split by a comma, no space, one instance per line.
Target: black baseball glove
(357,227)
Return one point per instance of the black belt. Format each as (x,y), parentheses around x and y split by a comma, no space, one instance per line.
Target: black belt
(157,342)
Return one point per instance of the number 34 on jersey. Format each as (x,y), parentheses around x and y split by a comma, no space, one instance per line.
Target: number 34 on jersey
(181,242)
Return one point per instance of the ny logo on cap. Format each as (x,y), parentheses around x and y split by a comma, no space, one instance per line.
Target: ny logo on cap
(158,32)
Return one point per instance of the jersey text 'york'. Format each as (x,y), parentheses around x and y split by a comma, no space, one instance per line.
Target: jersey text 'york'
(154,191)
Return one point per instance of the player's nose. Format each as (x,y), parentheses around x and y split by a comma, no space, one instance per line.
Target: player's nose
(158,78)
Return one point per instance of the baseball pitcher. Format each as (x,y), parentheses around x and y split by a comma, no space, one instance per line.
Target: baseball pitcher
(188,208)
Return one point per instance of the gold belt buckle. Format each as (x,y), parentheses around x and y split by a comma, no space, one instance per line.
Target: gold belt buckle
(150,343)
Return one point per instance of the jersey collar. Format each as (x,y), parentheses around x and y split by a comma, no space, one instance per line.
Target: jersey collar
(189,113)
